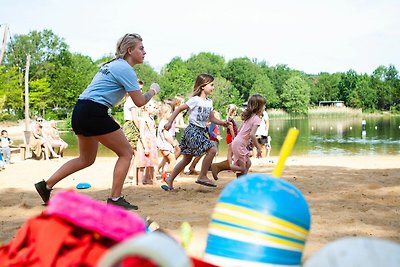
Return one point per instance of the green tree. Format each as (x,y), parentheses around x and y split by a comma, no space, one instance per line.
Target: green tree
(296,95)
(263,86)
(205,63)
(39,101)
(326,88)
(11,90)
(348,84)
(224,94)
(242,73)
(176,80)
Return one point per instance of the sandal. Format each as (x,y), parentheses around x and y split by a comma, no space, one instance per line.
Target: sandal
(168,189)
(192,172)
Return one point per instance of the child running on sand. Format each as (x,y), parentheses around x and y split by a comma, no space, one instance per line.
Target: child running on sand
(230,135)
(195,141)
(165,142)
(251,118)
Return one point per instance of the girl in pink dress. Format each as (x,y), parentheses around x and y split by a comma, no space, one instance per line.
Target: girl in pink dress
(147,153)
(251,118)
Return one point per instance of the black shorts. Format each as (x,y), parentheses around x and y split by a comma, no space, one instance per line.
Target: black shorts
(263,140)
(90,119)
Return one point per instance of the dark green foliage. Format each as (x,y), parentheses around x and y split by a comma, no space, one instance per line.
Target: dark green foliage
(57,77)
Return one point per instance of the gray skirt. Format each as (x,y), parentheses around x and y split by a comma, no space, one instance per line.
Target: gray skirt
(195,141)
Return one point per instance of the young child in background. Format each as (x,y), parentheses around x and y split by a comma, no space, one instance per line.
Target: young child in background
(195,141)
(5,146)
(165,141)
(214,132)
(131,127)
(147,153)
(251,118)
(230,135)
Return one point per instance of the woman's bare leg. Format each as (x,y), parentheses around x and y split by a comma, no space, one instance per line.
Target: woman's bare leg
(117,142)
(87,155)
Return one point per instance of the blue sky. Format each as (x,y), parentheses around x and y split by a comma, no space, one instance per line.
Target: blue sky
(309,35)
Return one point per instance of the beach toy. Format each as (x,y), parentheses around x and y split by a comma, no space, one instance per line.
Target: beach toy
(260,220)
(286,148)
(186,234)
(357,251)
(157,247)
(108,220)
(83,186)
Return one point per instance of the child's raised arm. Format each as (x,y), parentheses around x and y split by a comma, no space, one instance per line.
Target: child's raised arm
(171,119)
(217,121)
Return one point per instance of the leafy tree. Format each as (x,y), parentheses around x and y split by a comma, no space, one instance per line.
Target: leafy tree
(296,95)
(263,86)
(347,84)
(39,91)
(46,50)
(205,63)
(224,94)
(10,89)
(242,73)
(176,80)
(326,88)
(278,75)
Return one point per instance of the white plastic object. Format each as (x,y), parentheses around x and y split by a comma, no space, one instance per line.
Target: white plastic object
(155,87)
(155,246)
(357,252)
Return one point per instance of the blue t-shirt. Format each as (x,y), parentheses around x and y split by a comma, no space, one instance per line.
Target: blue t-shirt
(111,83)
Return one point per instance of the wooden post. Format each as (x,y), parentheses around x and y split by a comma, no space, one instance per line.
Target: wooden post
(28,60)
(3,46)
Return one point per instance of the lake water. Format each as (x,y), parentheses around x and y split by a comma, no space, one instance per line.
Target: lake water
(317,137)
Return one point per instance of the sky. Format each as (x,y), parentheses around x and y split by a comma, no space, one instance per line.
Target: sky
(308,35)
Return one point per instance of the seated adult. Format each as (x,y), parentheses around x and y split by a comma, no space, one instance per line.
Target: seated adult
(54,138)
(38,141)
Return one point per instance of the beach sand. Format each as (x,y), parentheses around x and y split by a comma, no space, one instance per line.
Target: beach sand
(348,196)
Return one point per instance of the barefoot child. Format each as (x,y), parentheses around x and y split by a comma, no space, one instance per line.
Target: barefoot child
(165,142)
(195,141)
(251,118)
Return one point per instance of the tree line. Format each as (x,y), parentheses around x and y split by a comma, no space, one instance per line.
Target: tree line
(58,76)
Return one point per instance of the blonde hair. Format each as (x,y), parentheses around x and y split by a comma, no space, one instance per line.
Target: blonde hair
(230,110)
(201,81)
(129,40)
(164,112)
(255,105)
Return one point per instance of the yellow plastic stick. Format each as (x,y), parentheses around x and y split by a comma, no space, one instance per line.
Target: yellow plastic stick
(285,151)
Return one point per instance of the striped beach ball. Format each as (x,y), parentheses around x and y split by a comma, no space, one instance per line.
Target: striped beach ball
(258,221)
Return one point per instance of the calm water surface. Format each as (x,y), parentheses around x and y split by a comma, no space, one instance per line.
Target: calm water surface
(318,136)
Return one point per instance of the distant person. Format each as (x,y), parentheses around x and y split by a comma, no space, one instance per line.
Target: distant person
(147,154)
(55,139)
(165,142)
(231,133)
(5,146)
(93,125)
(38,141)
(195,141)
(131,127)
(251,118)
(262,135)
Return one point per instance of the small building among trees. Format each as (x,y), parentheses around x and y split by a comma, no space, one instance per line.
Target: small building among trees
(338,104)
